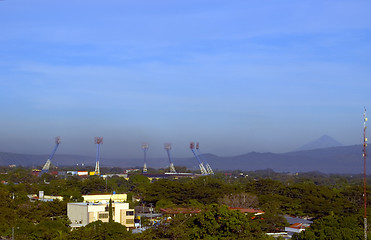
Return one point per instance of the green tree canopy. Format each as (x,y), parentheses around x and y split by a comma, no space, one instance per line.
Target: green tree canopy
(334,227)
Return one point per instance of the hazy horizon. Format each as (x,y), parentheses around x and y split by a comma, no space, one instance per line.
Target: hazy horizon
(162,154)
(235,76)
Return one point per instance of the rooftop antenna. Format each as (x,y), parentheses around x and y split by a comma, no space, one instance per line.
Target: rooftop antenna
(49,161)
(208,167)
(98,141)
(145,149)
(167,147)
(200,164)
(364,172)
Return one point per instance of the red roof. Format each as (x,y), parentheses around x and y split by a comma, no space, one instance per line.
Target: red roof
(299,225)
(246,210)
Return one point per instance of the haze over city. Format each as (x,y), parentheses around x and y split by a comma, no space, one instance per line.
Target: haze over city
(237,76)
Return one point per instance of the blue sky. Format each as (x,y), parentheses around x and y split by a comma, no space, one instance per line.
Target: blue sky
(237,76)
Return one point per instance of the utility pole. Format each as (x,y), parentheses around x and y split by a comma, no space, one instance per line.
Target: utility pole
(364,172)
(151,210)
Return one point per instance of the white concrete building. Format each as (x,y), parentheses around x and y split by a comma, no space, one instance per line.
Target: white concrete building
(81,214)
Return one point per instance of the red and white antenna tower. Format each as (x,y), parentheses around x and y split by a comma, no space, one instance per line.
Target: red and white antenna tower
(98,141)
(364,172)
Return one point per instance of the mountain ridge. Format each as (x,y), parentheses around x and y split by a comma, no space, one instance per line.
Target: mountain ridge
(340,159)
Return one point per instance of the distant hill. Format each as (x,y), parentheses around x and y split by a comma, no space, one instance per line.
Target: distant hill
(39,160)
(323,142)
(347,159)
(343,159)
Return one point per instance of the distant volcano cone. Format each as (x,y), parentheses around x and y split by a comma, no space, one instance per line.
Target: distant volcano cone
(323,142)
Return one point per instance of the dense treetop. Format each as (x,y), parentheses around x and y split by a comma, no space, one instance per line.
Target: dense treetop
(332,201)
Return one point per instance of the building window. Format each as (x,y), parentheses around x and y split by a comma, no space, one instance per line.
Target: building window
(129,221)
(102,215)
(129,213)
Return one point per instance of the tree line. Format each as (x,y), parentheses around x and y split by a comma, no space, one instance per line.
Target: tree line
(333,201)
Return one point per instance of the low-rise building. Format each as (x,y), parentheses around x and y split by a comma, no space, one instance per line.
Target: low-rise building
(297,225)
(43,198)
(83,213)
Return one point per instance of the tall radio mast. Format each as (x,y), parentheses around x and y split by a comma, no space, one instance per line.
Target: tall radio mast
(364,172)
